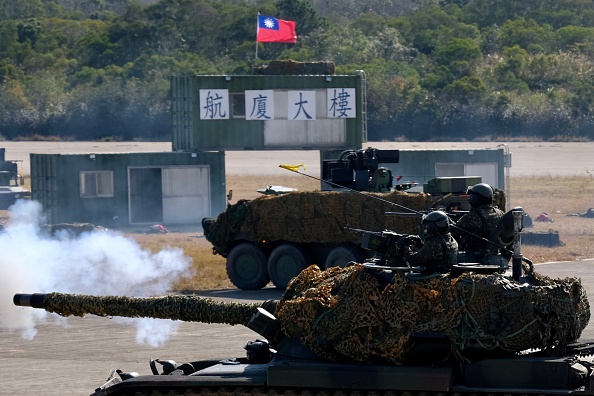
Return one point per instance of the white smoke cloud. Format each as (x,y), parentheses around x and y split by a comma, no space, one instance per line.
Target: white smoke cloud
(97,263)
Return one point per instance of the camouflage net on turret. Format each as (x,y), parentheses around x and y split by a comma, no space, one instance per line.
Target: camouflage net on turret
(314,216)
(344,313)
(184,308)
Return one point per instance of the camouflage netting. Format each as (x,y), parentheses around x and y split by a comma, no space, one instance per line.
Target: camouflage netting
(344,314)
(499,198)
(184,308)
(314,216)
(291,67)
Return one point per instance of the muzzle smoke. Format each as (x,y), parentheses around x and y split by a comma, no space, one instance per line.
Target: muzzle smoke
(97,263)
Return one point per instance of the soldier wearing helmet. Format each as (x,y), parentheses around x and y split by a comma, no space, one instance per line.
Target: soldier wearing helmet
(439,250)
(482,219)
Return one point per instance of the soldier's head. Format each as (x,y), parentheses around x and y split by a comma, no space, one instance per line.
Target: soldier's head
(481,194)
(436,222)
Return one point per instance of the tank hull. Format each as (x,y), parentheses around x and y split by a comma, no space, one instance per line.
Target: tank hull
(535,373)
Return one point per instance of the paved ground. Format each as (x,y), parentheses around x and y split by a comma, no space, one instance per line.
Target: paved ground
(75,359)
(535,158)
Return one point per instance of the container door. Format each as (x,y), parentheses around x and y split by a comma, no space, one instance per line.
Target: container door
(487,170)
(145,195)
(186,194)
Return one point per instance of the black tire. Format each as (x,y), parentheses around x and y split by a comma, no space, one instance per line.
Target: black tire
(286,262)
(341,255)
(246,267)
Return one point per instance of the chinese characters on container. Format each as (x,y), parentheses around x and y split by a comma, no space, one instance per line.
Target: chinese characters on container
(264,105)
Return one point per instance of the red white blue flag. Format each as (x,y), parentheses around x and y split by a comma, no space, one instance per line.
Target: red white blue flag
(273,30)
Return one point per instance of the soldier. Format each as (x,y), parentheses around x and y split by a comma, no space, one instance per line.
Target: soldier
(439,251)
(482,219)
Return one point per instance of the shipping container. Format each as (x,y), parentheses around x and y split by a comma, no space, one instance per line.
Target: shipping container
(133,188)
(268,112)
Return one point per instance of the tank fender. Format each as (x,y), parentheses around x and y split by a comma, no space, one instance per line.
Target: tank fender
(529,372)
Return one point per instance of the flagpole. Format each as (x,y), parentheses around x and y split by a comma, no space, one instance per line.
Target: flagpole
(257,27)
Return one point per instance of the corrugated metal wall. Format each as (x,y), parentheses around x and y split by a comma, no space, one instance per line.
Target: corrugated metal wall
(44,184)
(237,133)
(183,107)
(185,202)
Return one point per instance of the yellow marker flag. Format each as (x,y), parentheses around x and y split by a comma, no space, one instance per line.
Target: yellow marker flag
(293,168)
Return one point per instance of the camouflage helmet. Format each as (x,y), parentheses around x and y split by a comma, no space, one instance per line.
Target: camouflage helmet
(482,189)
(436,222)
(481,194)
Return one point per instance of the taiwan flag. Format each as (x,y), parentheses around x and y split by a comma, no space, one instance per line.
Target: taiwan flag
(272,30)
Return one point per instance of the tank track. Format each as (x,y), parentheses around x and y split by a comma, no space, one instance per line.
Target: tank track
(259,391)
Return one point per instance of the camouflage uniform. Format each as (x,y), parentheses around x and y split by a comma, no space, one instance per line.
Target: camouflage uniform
(480,221)
(437,254)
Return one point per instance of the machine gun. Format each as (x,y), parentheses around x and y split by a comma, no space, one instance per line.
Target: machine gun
(359,170)
(386,247)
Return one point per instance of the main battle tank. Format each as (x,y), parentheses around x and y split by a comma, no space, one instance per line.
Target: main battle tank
(348,331)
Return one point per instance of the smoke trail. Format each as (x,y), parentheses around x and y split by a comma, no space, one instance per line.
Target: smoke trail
(98,262)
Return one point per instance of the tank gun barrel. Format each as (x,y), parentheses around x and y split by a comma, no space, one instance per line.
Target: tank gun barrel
(179,307)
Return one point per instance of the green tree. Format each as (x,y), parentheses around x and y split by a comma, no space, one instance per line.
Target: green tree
(21,9)
(370,23)
(509,72)
(302,13)
(458,50)
(346,46)
(575,39)
(525,33)
(28,30)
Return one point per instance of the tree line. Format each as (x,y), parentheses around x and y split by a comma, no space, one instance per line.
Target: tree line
(436,69)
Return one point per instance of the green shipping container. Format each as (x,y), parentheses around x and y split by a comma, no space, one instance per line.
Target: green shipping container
(268,112)
(133,188)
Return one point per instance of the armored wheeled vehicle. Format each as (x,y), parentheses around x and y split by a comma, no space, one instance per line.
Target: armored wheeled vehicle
(274,237)
(352,330)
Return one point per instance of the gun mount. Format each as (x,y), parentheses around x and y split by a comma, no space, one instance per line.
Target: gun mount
(359,170)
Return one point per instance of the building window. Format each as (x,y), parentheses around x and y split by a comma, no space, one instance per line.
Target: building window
(238,105)
(96,184)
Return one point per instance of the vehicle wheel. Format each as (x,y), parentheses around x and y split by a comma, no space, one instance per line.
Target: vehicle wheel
(246,267)
(285,263)
(341,255)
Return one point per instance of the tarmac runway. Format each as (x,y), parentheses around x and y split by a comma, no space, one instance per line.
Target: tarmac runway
(75,358)
(528,158)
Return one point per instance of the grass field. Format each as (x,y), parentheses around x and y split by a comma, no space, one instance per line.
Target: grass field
(557,196)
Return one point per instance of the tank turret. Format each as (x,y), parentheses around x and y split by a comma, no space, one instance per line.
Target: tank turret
(351,314)
(439,333)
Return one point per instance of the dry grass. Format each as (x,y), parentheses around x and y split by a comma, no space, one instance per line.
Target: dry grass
(556,196)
